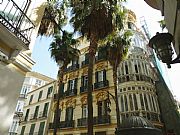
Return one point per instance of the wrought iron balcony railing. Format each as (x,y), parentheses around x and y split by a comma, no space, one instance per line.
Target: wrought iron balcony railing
(82,122)
(85,63)
(83,89)
(66,124)
(104,119)
(16,21)
(101,84)
(72,92)
(135,77)
(73,67)
(51,125)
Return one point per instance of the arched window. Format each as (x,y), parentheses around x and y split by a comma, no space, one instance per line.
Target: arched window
(122,104)
(135,102)
(142,101)
(131,103)
(126,104)
(146,102)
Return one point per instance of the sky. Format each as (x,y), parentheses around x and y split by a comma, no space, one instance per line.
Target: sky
(47,66)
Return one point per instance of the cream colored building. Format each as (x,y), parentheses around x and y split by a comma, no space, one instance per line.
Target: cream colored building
(36,110)
(73,102)
(19,22)
(32,81)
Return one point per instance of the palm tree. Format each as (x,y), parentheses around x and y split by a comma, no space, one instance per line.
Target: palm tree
(54,17)
(94,19)
(63,52)
(115,48)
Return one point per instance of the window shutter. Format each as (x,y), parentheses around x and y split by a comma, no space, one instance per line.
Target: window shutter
(96,76)
(75,83)
(104,75)
(82,80)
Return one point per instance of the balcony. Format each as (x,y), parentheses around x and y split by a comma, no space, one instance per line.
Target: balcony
(101,84)
(105,119)
(72,92)
(16,27)
(85,63)
(51,125)
(66,124)
(83,89)
(100,58)
(56,96)
(72,68)
(82,122)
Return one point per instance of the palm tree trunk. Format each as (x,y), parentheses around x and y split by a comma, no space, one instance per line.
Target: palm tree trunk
(116,99)
(57,113)
(92,52)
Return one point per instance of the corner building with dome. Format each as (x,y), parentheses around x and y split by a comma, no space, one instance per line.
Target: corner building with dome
(136,90)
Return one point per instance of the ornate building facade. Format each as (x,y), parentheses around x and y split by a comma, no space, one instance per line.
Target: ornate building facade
(136,89)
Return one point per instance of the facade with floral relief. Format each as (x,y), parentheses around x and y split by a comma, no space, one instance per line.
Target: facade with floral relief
(136,90)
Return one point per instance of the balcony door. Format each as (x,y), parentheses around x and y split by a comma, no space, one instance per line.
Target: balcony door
(69,114)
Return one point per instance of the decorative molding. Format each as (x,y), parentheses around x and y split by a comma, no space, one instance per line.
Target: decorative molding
(84,100)
(85,71)
(101,96)
(71,103)
(101,66)
(73,75)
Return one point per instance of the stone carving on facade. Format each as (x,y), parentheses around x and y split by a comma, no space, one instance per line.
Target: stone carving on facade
(84,100)
(71,103)
(85,71)
(73,75)
(101,65)
(101,96)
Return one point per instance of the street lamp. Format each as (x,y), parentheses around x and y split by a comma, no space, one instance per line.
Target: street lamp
(161,43)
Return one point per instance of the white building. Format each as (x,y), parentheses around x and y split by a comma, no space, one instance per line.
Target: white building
(32,81)
(36,110)
(19,24)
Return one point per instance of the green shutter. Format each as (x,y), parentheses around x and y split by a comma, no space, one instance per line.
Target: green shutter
(41,128)
(45,109)
(22,130)
(31,132)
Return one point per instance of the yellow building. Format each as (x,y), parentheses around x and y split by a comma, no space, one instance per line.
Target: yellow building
(73,102)
(19,22)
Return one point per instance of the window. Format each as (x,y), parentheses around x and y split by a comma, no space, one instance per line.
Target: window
(45,109)
(38,82)
(100,76)
(72,84)
(126,104)
(22,130)
(142,101)
(84,111)
(135,102)
(102,108)
(49,91)
(131,103)
(126,68)
(31,132)
(31,98)
(40,95)
(25,89)
(36,112)
(26,116)
(84,81)
(122,104)
(69,114)
(41,128)
(146,102)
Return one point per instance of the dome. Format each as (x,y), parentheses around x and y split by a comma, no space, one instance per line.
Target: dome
(136,121)
(136,125)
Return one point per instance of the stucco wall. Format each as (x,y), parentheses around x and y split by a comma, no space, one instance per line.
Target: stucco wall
(10,84)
